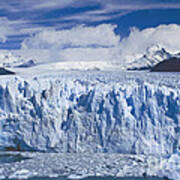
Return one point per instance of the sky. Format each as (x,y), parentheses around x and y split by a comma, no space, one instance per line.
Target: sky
(41,24)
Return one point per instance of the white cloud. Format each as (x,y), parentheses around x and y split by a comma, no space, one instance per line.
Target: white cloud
(16,27)
(119,8)
(141,6)
(108,5)
(79,43)
(168,36)
(95,16)
(26,5)
(40,4)
(100,43)
(31,15)
(5,29)
(82,36)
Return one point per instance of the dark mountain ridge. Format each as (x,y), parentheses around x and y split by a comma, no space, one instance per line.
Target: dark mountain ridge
(168,65)
(4,71)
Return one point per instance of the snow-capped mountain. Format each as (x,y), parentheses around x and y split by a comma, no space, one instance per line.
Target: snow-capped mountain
(11,60)
(153,55)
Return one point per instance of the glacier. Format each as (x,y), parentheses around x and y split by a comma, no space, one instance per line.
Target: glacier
(92,111)
(71,117)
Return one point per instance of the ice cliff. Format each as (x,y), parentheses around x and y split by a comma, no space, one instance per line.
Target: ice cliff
(91,112)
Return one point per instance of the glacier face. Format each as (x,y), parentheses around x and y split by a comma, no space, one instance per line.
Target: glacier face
(133,113)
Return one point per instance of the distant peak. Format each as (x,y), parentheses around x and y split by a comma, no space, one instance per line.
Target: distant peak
(154,48)
(152,56)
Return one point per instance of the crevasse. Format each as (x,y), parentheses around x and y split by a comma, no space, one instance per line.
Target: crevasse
(79,114)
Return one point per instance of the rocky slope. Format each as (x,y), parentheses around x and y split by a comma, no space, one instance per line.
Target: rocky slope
(168,65)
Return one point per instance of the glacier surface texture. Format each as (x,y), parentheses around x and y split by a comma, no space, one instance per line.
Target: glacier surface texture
(117,112)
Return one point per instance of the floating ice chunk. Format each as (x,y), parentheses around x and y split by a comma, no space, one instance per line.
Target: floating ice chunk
(21,174)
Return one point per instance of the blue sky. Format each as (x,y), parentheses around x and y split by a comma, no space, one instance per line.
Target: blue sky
(20,19)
